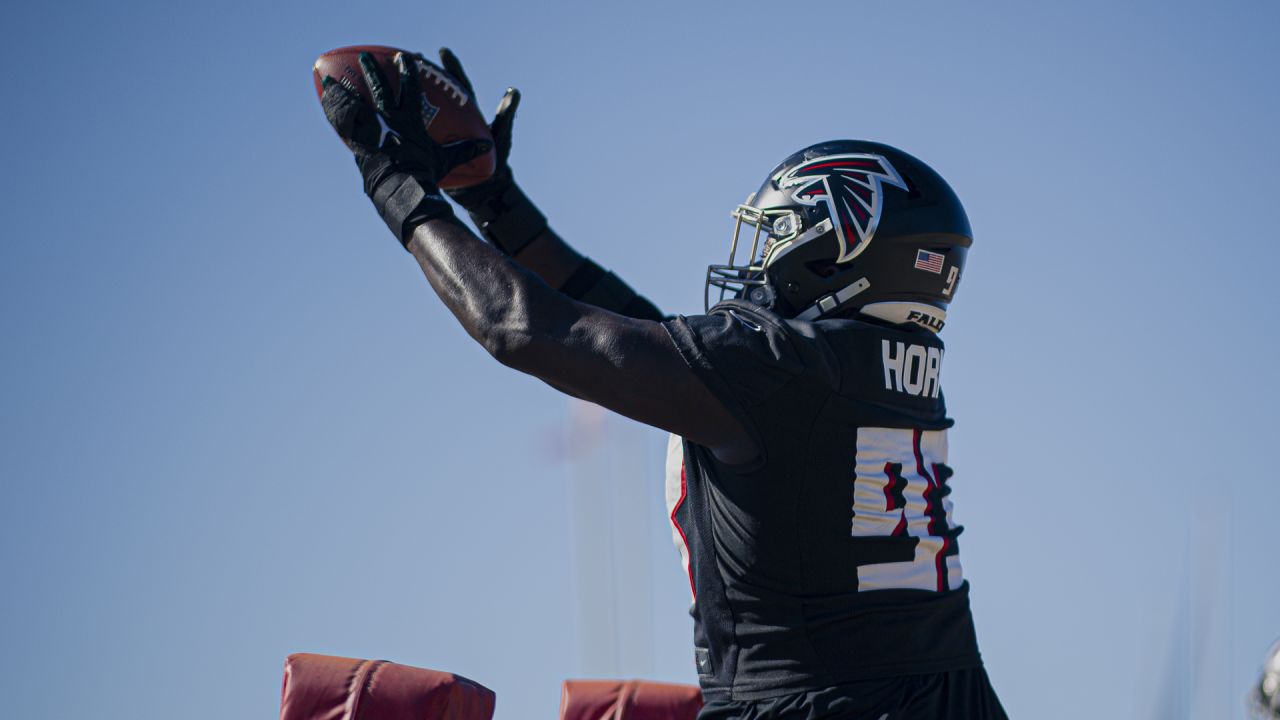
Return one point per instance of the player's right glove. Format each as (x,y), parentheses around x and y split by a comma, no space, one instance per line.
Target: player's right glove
(401,165)
(499,208)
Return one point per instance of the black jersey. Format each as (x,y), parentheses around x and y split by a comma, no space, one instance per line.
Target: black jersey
(832,557)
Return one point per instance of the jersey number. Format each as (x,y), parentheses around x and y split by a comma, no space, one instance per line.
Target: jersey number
(900,491)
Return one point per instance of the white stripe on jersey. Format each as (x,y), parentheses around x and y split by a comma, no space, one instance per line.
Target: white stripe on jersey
(675,489)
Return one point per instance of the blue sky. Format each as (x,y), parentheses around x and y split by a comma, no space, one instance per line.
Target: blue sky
(235,423)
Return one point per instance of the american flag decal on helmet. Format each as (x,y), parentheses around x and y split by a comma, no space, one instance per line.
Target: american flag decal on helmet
(930,261)
(850,186)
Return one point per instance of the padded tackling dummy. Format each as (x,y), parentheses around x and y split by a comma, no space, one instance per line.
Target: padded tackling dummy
(629,700)
(321,687)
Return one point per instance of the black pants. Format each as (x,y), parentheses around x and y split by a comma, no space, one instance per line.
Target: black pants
(956,695)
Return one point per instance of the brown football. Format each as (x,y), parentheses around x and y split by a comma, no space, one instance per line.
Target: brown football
(456,116)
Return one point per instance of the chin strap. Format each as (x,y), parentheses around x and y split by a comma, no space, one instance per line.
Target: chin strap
(907,313)
(828,304)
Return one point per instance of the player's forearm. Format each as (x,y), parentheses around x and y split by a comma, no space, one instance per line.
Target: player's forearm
(550,258)
(504,307)
(564,268)
(513,224)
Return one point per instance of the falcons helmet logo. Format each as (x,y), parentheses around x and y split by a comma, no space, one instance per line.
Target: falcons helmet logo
(849,184)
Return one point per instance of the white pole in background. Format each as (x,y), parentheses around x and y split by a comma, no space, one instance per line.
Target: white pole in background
(611,539)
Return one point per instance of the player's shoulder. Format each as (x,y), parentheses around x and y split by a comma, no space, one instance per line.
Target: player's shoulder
(743,322)
(755,344)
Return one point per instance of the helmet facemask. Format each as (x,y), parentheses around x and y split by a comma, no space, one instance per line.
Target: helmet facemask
(732,279)
(779,228)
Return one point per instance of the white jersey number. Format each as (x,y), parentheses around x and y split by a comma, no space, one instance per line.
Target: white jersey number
(897,491)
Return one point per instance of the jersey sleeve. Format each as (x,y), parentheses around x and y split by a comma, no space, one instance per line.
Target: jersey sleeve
(746,356)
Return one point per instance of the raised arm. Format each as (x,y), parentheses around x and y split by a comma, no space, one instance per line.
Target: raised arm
(514,225)
(626,364)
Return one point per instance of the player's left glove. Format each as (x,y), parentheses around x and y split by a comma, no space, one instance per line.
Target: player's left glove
(498,207)
(401,165)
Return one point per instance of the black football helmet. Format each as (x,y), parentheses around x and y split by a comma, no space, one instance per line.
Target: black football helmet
(849,225)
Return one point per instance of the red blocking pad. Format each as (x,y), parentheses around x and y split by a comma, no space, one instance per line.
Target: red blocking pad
(322,687)
(628,700)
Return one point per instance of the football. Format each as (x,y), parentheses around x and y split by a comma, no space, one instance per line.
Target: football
(455,115)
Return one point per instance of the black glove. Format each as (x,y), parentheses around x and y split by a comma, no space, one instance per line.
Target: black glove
(499,208)
(500,128)
(400,164)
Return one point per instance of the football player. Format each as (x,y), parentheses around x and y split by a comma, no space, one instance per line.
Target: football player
(808,482)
